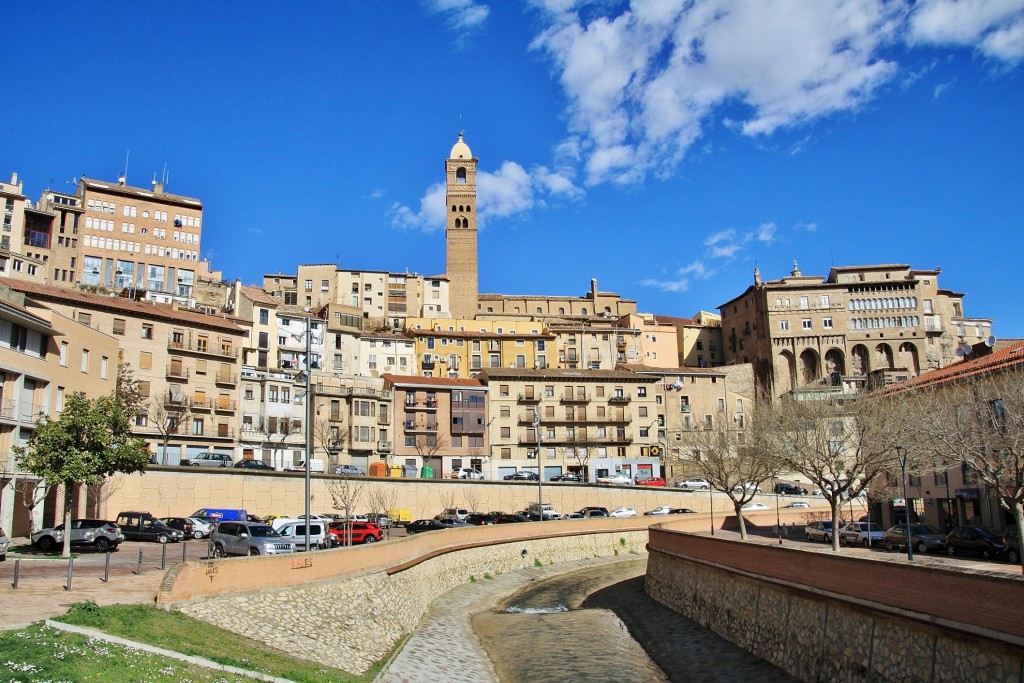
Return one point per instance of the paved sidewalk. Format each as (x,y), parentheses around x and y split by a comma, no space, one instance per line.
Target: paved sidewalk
(444,646)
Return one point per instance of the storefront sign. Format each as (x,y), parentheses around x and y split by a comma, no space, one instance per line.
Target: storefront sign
(968,494)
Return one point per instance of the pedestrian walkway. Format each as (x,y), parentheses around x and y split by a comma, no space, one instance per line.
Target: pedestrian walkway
(444,647)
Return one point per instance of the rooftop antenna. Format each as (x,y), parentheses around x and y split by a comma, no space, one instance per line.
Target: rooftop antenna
(124,178)
(167,175)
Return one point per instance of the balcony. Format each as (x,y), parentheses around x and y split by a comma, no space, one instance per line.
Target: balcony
(225,378)
(686,407)
(384,446)
(383,419)
(201,404)
(420,427)
(8,409)
(421,405)
(619,399)
(528,418)
(175,401)
(224,405)
(578,398)
(532,398)
(177,372)
(199,347)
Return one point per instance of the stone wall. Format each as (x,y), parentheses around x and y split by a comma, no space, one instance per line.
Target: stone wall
(844,618)
(353,621)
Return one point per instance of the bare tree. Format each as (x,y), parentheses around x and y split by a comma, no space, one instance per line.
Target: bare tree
(381,498)
(427,446)
(276,431)
(978,423)
(345,494)
(473,497)
(841,448)
(730,461)
(448,498)
(330,436)
(168,417)
(127,389)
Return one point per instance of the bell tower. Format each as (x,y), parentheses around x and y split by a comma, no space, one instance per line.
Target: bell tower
(460,230)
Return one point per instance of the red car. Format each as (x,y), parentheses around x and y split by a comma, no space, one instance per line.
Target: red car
(362,532)
(651,481)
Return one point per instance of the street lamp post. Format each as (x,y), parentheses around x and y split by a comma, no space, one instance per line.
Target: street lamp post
(711,506)
(901,453)
(309,421)
(778,518)
(540,466)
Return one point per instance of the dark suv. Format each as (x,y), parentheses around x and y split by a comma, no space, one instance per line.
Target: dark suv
(1011,541)
(787,489)
(142,526)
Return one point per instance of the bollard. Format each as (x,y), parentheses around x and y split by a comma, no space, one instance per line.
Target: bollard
(184,552)
(163,556)
(17,566)
(106,569)
(71,570)
(139,570)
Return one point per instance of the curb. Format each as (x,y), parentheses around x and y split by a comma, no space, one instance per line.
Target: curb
(152,649)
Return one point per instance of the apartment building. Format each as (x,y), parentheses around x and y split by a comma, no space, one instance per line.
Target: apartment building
(699,339)
(595,304)
(186,363)
(693,398)
(382,298)
(20,256)
(135,238)
(447,347)
(440,423)
(52,237)
(44,357)
(810,331)
(352,419)
(591,422)
(384,352)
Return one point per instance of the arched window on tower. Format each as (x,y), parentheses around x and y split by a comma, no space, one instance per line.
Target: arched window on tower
(469,209)
(453,208)
(458,222)
(460,174)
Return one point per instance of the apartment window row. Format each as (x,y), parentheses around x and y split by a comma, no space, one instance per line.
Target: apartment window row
(101,206)
(883,303)
(881,323)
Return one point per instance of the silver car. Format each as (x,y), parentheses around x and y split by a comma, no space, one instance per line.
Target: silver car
(244,538)
(4,542)
(99,533)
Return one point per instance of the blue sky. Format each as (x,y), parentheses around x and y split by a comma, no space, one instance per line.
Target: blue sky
(662,147)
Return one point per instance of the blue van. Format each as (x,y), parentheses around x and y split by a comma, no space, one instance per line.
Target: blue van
(222,514)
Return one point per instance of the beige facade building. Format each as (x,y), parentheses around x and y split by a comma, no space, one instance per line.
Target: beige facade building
(440,423)
(594,305)
(44,357)
(808,331)
(186,363)
(23,252)
(591,422)
(447,347)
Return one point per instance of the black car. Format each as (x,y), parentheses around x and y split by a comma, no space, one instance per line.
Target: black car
(421,525)
(480,519)
(924,538)
(969,540)
(787,489)
(513,518)
(522,476)
(568,476)
(1011,541)
(590,508)
(254,465)
(182,524)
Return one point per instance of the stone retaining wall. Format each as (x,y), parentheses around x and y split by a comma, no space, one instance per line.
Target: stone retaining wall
(821,617)
(353,621)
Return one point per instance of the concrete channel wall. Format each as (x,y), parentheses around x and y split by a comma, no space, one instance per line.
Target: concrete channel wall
(824,617)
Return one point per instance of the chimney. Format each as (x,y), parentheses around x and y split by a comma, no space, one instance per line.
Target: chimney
(14,178)
(158,187)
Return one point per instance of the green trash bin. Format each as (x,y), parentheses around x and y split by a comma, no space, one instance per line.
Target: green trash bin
(427,472)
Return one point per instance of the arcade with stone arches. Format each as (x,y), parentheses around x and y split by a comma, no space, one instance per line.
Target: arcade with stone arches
(808,366)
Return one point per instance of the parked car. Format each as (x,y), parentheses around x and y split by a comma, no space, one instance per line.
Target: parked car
(452,522)
(182,524)
(421,525)
(537,510)
(755,506)
(583,511)
(208,459)
(142,526)
(617,479)
(1011,541)
(798,504)
(592,514)
(380,519)
(468,473)
(747,486)
(356,532)
(512,519)
(622,512)
(663,510)
(521,476)
(924,538)
(651,481)
(969,540)
(243,538)
(820,530)
(481,519)
(203,526)
(252,464)
(699,484)
(457,513)
(570,515)
(787,489)
(315,465)
(348,471)
(568,477)
(4,544)
(294,530)
(101,534)
(861,533)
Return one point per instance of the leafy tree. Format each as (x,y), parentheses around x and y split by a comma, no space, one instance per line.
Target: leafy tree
(90,441)
(730,460)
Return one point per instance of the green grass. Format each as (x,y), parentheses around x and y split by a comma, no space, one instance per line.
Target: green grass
(537,562)
(487,575)
(172,631)
(472,579)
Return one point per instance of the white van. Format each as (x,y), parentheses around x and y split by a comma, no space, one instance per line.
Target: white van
(316,465)
(294,530)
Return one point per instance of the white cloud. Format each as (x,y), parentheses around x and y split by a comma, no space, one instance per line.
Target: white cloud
(462,15)
(806,227)
(641,82)
(941,88)
(993,27)
(720,236)
(509,191)
(766,233)
(681,283)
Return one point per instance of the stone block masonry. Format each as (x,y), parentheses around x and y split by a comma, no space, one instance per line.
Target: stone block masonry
(352,621)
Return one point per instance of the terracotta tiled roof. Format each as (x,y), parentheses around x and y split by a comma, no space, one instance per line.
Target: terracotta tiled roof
(647,369)
(542,374)
(1011,357)
(414,380)
(127,307)
(259,296)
